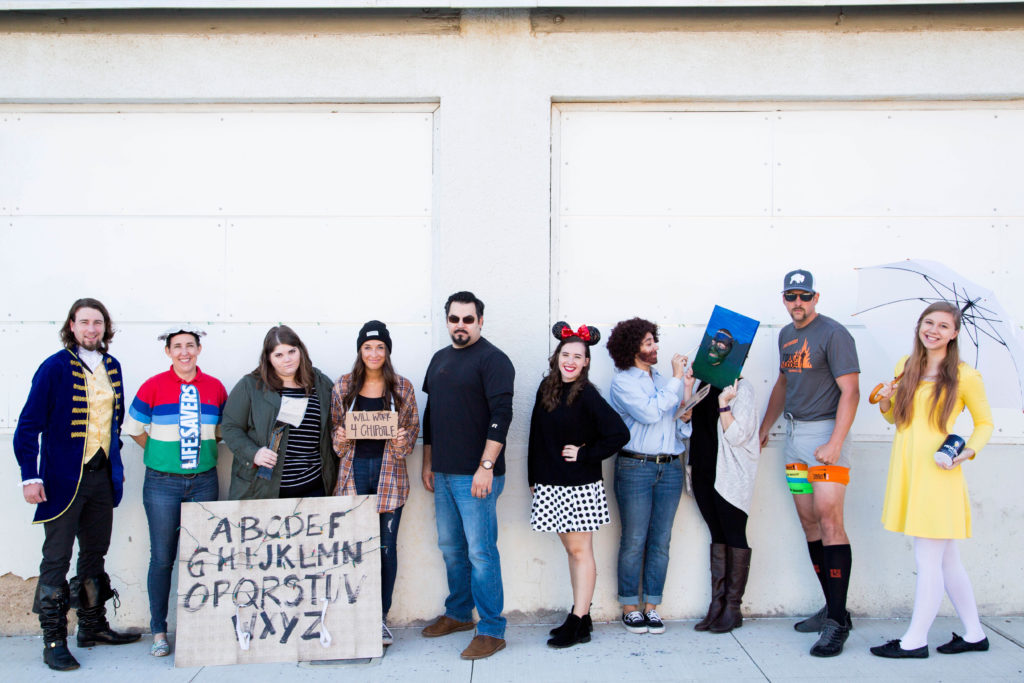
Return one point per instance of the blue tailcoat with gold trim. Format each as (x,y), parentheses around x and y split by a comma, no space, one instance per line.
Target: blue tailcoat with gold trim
(58,409)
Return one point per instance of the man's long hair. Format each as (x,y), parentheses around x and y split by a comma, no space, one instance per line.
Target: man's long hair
(67,337)
(304,376)
(944,388)
(552,386)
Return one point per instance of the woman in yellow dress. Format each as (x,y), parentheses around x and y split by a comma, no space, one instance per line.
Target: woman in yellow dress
(926,495)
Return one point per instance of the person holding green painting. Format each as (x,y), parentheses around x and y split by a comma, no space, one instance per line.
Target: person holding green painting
(724,452)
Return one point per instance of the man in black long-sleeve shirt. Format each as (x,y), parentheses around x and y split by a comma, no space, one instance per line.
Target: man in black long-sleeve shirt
(469,409)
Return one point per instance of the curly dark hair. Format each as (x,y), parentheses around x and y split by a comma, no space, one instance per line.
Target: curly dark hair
(625,338)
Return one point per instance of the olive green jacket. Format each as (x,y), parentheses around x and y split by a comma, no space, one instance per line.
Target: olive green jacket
(249,418)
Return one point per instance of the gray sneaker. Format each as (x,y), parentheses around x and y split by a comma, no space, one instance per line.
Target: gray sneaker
(830,642)
(385,633)
(815,623)
(812,624)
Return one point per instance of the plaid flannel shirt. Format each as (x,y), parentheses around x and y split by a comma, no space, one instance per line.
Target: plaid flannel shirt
(393,486)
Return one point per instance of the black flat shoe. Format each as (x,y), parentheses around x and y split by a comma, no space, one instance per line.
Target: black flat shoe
(958,645)
(893,650)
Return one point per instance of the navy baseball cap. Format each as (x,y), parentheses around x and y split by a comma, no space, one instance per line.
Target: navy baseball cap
(800,280)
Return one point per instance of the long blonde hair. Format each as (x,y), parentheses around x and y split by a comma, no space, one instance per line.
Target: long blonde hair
(944,388)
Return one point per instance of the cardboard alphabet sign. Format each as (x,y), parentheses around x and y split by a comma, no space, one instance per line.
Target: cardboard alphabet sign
(371,424)
(279,580)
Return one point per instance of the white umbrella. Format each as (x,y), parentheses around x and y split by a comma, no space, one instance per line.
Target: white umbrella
(890,298)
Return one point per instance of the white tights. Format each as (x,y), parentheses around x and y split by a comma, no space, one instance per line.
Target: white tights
(938,567)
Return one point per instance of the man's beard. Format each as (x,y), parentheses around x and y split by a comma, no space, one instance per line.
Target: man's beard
(649,357)
(461,340)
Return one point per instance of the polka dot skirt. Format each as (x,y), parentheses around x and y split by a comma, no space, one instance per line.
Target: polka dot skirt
(564,509)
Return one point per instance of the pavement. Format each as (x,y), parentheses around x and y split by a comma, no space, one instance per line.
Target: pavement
(762,650)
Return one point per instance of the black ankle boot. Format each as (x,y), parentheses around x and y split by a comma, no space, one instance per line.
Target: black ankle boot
(575,631)
(587,622)
(717,587)
(737,571)
(566,625)
(52,605)
(93,628)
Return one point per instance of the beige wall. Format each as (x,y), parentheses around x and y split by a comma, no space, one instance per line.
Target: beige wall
(495,74)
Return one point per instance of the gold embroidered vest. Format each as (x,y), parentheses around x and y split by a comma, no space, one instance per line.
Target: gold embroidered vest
(101,411)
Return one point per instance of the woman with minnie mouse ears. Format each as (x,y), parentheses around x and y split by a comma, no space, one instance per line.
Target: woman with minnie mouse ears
(571,431)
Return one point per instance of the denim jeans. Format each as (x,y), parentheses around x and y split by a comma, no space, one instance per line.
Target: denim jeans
(162,496)
(366,472)
(467,533)
(648,496)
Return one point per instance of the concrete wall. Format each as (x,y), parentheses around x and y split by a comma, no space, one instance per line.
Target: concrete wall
(495,74)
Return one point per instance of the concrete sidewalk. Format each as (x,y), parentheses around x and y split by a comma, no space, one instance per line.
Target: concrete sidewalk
(763,650)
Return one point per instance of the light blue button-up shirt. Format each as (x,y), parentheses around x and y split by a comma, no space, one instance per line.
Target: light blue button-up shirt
(647,404)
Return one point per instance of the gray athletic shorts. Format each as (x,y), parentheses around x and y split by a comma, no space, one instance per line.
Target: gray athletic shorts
(798,453)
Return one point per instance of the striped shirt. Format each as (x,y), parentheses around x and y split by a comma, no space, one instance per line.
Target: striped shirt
(183,418)
(302,468)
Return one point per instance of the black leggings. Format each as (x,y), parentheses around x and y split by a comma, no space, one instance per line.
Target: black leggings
(726,522)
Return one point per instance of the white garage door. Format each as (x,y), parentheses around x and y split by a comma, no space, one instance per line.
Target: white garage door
(664,214)
(234,219)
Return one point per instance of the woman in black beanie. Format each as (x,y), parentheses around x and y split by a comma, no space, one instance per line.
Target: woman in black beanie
(376,466)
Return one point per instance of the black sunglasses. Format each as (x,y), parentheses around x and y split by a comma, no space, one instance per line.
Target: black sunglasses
(804,296)
(466,319)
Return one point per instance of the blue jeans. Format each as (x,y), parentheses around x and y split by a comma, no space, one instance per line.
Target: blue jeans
(366,472)
(162,496)
(467,533)
(648,496)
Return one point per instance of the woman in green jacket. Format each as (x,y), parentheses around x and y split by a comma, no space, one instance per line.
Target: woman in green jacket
(274,457)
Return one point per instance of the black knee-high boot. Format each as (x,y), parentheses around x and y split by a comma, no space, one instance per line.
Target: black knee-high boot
(93,629)
(51,604)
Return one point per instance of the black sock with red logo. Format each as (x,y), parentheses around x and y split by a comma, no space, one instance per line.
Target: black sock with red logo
(817,552)
(838,559)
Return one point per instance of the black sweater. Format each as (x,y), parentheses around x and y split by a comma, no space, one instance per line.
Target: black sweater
(589,422)
(469,402)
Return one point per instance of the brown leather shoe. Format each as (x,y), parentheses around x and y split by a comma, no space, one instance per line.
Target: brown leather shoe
(445,625)
(483,646)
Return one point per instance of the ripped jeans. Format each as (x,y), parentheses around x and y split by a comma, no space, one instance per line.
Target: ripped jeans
(366,472)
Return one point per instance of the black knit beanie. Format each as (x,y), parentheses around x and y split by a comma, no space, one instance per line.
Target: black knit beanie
(374,329)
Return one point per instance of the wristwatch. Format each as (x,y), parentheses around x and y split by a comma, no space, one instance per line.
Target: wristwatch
(487,464)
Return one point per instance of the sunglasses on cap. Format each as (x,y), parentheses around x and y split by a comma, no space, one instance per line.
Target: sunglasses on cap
(466,319)
(804,296)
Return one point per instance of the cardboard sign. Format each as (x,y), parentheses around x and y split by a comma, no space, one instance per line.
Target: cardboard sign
(280,580)
(371,424)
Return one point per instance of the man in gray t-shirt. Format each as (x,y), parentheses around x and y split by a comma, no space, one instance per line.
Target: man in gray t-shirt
(818,387)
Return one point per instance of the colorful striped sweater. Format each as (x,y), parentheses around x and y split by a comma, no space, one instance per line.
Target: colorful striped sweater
(184,419)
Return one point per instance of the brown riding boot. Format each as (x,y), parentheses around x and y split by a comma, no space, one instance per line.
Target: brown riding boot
(737,570)
(717,587)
